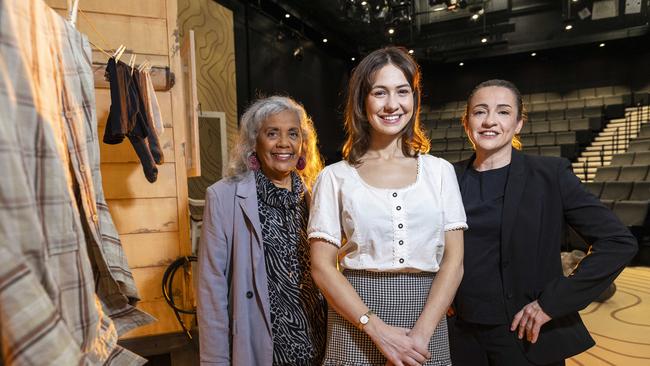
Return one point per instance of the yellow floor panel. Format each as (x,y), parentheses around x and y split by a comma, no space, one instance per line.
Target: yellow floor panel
(621,325)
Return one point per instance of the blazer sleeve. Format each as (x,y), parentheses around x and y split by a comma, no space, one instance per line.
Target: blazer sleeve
(612,247)
(213,290)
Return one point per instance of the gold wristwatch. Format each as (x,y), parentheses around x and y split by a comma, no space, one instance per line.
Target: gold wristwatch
(364,319)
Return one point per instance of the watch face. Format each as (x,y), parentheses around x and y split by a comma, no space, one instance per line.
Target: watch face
(364,319)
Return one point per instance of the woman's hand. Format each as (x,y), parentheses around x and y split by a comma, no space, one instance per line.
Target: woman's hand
(530,320)
(395,344)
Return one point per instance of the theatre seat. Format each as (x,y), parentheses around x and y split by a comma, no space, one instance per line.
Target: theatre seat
(632,213)
(594,187)
(550,151)
(450,156)
(568,137)
(528,140)
(438,133)
(639,146)
(607,174)
(641,191)
(633,173)
(616,191)
(545,139)
(622,159)
(454,132)
(559,126)
(439,145)
(642,158)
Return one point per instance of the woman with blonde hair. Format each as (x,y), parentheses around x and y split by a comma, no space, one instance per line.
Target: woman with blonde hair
(514,305)
(257,303)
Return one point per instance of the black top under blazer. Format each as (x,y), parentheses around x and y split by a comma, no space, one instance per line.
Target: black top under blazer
(541,195)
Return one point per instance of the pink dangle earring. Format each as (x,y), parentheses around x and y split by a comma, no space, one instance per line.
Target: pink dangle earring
(253,163)
(302,163)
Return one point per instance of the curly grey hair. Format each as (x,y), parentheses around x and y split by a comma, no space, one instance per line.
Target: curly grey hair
(249,127)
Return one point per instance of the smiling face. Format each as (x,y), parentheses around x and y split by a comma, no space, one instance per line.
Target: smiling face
(279,145)
(389,105)
(492,120)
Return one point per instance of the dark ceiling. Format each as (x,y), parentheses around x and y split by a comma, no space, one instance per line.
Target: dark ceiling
(501,27)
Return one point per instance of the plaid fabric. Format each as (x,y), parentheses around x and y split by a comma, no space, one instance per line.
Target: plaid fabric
(53,215)
(398,299)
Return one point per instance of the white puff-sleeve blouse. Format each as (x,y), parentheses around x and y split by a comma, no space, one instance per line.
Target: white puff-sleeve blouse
(387,230)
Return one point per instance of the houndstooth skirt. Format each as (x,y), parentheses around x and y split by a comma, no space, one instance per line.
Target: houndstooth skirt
(398,299)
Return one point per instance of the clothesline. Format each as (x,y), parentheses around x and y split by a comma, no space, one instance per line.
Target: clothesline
(83,14)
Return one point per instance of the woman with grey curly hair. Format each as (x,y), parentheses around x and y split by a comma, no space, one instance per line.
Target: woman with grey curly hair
(250,124)
(257,302)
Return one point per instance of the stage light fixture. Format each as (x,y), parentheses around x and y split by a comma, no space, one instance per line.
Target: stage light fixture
(411,52)
(298,53)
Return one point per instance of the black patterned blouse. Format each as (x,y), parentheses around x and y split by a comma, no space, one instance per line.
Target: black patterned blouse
(297,307)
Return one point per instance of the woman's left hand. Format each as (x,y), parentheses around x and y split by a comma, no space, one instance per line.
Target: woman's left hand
(530,320)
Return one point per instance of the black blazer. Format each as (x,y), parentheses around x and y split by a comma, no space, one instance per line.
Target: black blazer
(542,194)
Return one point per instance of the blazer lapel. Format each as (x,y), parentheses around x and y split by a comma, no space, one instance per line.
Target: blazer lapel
(247,193)
(514,190)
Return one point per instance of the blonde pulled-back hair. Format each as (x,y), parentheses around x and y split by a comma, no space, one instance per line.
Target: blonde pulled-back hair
(521,109)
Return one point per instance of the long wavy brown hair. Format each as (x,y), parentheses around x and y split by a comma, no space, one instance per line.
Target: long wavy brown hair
(522,114)
(414,140)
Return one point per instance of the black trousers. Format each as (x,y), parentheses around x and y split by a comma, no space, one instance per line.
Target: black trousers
(485,345)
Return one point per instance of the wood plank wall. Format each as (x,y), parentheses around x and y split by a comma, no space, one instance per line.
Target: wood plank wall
(152,219)
(214,37)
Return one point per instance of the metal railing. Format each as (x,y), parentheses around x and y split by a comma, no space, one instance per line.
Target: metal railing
(621,137)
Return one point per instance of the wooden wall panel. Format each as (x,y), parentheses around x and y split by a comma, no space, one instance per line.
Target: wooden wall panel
(148,281)
(150,249)
(140,8)
(139,34)
(146,215)
(152,219)
(128,181)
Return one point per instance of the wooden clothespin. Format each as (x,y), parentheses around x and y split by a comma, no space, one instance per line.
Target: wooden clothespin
(132,62)
(143,65)
(118,52)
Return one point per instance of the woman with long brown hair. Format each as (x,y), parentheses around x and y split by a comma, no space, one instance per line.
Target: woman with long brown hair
(391,217)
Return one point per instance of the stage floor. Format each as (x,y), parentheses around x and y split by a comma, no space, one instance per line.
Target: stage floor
(621,325)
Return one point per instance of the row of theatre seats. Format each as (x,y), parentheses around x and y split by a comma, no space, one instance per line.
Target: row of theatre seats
(624,186)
